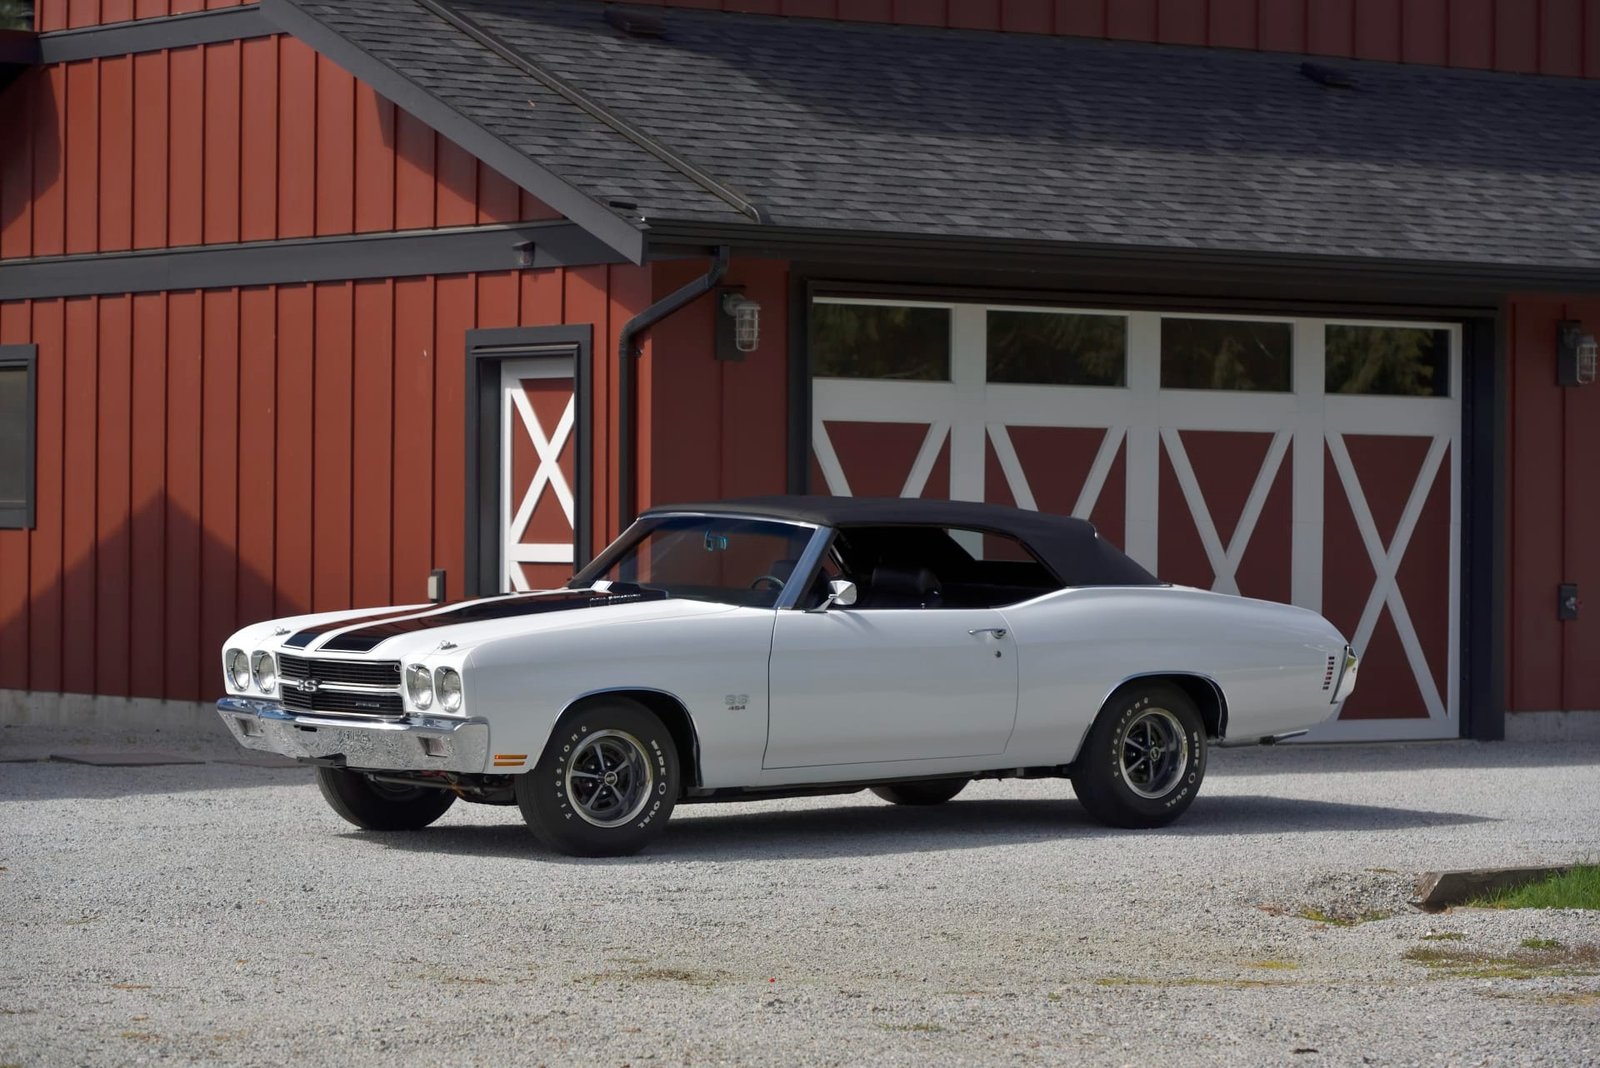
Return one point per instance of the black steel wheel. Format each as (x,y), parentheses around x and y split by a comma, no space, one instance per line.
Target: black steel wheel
(606,783)
(925,792)
(381,806)
(1143,759)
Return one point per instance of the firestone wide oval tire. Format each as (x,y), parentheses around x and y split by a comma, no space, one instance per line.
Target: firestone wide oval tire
(379,806)
(1143,759)
(928,792)
(606,783)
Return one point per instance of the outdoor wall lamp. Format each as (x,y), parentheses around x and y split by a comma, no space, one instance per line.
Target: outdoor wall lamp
(739,329)
(1576,354)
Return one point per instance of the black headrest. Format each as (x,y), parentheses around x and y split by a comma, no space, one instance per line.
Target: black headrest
(914,583)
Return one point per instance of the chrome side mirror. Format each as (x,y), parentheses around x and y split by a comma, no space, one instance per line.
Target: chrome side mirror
(841,592)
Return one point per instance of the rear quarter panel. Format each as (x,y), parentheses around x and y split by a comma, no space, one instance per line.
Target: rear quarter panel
(1076,647)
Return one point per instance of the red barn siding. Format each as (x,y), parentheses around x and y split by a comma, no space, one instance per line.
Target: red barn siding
(72,14)
(210,458)
(1537,36)
(177,148)
(714,428)
(1554,513)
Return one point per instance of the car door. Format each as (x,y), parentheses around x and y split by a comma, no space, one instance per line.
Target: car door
(864,686)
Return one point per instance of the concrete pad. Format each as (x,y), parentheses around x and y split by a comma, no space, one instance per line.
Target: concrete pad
(1438,890)
(115,758)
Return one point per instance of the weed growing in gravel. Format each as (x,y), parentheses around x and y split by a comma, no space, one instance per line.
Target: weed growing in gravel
(669,975)
(1528,963)
(1270,964)
(1444,936)
(1343,919)
(1579,888)
(920,1027)
(1541,943)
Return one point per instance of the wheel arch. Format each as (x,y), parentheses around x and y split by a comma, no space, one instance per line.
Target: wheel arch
(672,712)
(1203,690)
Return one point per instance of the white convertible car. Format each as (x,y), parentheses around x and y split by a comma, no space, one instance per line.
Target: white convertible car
(784,646)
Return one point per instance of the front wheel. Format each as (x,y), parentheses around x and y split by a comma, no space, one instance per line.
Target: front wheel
(1143,759)
(606,782)
(374,805)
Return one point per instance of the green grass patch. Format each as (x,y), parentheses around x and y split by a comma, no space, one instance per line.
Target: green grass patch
(1451,962)
(1579,888)
(1541,943)
(1343,919)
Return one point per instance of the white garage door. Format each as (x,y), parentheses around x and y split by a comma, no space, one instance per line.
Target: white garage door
(1306,460)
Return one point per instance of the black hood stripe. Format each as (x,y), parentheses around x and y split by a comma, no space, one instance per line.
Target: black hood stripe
(303,638)
(365,638)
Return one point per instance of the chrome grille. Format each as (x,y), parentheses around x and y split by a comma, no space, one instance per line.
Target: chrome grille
(354,672)
(343,702)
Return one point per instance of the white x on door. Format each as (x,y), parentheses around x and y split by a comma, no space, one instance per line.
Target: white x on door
(538,471)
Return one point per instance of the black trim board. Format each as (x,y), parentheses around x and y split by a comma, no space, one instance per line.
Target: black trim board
(485,350)
(1121,269)
(27,357)
(315,259)
(153,35)
(1485,547)
(606,225)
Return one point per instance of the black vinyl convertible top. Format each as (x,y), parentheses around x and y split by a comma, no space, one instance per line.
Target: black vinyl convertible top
(1069,547)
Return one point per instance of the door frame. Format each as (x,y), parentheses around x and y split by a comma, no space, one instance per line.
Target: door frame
(486,351)
(1481,548)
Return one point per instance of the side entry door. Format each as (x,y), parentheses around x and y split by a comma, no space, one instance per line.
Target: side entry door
(868,685)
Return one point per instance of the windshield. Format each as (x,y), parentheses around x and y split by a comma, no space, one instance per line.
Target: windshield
(706,558)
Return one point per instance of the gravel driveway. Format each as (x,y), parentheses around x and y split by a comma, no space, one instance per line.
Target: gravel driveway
(218,913)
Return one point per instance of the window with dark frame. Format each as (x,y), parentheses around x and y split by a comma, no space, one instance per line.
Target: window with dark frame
(17,436)
(895,341)
(1397,361)
(1230,354)
(1035,347)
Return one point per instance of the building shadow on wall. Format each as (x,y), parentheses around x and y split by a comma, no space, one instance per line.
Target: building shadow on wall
(30,143)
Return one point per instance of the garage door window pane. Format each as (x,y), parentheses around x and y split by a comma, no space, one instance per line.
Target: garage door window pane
(1225,354)
(16,459)
(1057,349)
(880,341)
(1402,361)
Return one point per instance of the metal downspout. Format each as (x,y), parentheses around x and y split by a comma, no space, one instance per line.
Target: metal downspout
(628,352)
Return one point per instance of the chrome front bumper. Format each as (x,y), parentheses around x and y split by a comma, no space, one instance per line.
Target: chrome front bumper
(424,743)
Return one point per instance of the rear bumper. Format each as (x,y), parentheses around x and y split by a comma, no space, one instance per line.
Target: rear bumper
(427,743)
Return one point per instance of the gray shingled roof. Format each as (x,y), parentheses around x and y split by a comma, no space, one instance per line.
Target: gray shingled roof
(893,130)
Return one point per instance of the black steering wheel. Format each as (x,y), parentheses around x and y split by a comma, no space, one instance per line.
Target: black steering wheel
(759,579)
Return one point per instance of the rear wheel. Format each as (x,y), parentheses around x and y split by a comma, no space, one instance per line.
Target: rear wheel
(1144,758)
(606,783)
(927,792)
(373,805)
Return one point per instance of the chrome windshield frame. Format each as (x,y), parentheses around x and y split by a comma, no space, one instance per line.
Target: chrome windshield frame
(804,568)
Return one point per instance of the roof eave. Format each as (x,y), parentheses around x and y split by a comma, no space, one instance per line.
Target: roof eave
(626,239)
(1475,280)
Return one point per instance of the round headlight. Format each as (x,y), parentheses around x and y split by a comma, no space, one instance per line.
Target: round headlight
(238,669)
(265,670)
(448,682)
(419,684)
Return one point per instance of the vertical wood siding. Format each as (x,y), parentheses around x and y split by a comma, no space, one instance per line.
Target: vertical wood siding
(210,458)
(1538,36)
(72,14)
(1554,519)
(187,147)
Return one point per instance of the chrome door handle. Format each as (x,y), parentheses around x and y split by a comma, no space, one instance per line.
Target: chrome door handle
(998,632)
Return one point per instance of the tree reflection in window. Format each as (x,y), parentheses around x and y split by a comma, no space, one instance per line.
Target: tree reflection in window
(1402,361)
(1225,354)
(880,341)
(1057,348)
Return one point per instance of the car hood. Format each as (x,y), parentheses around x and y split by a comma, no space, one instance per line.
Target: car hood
(395,633)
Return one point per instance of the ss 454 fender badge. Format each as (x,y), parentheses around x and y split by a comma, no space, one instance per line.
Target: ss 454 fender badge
(737,702)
